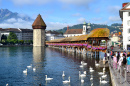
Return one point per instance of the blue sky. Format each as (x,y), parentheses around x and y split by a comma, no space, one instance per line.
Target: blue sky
(60,13)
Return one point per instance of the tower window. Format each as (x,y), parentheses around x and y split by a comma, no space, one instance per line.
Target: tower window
(129,38)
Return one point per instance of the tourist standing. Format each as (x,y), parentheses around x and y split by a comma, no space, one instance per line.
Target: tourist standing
(114,61)
(121,54)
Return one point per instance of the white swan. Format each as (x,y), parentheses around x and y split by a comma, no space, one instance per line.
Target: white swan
(29,66)
(34,69)
(91,78)
(91,70)
(81,75)
(67,81)
(7,84)
(85,72)
(100,73)
(63,74)
(25,71)
(48,78)
(104,76)
(82,62)
(103,81)
(81,66)
(82,81)
(92,84)
(104,69)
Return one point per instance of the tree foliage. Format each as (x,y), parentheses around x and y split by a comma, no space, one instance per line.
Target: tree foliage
(12,36)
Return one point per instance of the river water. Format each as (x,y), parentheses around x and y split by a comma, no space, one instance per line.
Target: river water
(47,61)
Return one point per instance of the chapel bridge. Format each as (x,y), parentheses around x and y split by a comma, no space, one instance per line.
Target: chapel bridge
(82,43)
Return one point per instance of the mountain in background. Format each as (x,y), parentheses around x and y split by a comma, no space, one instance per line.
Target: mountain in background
(5,14)
(113,27)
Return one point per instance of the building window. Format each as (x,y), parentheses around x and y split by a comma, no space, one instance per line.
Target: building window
(129,38)
(129,30)
(128,22)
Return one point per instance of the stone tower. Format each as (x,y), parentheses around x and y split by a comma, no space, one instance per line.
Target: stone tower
(39,27)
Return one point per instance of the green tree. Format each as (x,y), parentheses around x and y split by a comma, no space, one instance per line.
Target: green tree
(12,36)
(3,37)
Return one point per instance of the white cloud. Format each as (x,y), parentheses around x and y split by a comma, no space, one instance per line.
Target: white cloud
(76,2)
(56,25)
(114,9)
(27,2)
(76,14)
(16,23)
(114,18)
(81,20)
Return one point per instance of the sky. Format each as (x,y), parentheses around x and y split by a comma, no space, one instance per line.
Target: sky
(60,13)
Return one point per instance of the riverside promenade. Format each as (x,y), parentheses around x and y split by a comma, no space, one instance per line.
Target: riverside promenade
(119,77)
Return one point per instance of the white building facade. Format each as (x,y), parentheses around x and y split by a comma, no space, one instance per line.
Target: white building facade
(77,32)
(125,16)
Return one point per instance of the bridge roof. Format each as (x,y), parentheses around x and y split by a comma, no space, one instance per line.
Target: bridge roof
(99,32)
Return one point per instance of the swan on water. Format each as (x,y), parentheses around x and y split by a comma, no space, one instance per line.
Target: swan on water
(103,81)
(82,81)
(91,78)
(84,63)
(34,69)
(81,75)
(85,72)
(63,74)
(100,73)
(67,81)
(29,66)
(104,76)
(48,78)
(81,66)
(96,64)
(25,71)
(91,70)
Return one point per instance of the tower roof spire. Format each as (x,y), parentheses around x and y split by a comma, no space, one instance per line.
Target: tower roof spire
(39,23)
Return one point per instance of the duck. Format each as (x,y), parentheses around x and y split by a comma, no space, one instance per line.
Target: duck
(25,71)
(63,74)
(48,78)
(29,66)
(103,81)
(85,72)
(82,81)
(34,69)
(81,75)
(67,81)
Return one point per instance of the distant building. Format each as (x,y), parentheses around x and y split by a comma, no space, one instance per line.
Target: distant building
(77,32)
(125,16)
(51,35)
(22,34)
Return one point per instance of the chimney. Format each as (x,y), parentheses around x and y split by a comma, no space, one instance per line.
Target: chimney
(68,27)
(124,4)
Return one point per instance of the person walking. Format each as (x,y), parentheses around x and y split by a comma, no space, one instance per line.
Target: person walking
(120,62)
(128,63)
(108,54)
(118,56)
(115,61)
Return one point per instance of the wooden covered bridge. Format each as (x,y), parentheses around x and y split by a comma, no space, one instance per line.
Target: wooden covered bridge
(89,42)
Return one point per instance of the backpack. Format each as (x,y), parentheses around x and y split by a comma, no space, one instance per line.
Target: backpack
(124,60)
